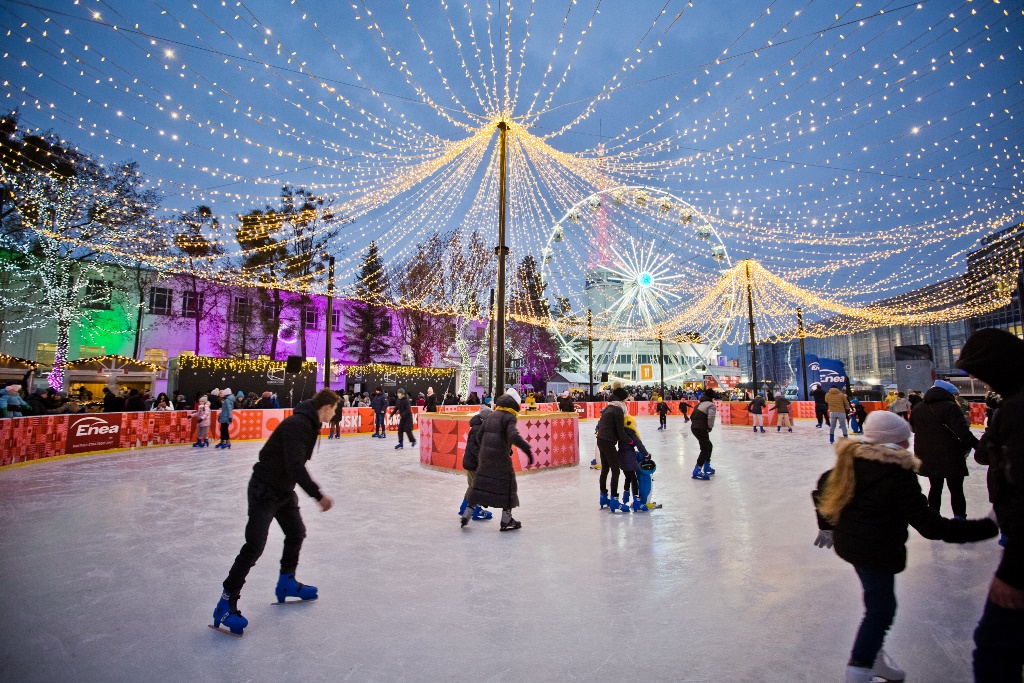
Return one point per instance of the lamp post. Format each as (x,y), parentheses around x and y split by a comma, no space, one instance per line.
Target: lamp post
(329,324)
(501,251)
(753,346)
(803,356)
(490,346)
(590,352)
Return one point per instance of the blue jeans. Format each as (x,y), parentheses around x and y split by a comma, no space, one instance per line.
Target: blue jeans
(879,611)
(999,645)
(378,423)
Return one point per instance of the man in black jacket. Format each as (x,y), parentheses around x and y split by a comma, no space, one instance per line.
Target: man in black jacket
(282,465)
(379,403)
(942,439)
(611,432)
(820,406)
(404,410)
(997,358)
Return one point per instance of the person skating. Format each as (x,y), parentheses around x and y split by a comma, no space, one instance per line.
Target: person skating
(997,358)
(471,460)
(662,409)
(202,415)
(271,493)
(942,440)
(702,421)
(838,408)
(379,403)
(565,403)
(901,406)
(611,433)
(334,426)
(782,413)
(629,462)
(495,481)
(684,409)
(820,406)
(224,419)
(756,409)
(404,410)
(864,505)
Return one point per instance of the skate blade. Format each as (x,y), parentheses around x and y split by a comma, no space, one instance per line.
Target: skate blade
(297,601)
(225,631)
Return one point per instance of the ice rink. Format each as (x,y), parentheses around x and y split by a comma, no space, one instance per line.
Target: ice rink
(111,566)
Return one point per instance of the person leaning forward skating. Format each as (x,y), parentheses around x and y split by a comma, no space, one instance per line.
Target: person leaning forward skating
(611,434)
(495,481)
(702,421)
(864,505)
(281,465)
(997,358)
(404,410)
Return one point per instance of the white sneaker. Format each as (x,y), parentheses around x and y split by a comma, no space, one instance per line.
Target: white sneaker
(887,669)
(856,674)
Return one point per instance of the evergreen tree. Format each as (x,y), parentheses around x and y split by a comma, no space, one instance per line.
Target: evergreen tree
(369,326)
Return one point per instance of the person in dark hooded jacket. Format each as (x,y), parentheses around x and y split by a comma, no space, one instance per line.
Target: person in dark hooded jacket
(471,460)
(611,434)
(864,505)
(942,439)
(404,410)
(997,358)
(495,481)
(281,465)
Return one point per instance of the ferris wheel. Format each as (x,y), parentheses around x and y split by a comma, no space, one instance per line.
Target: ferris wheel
(640,259)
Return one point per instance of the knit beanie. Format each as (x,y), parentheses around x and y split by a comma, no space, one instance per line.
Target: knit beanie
(948,386)
(620,394)
(515,395)
(882,426)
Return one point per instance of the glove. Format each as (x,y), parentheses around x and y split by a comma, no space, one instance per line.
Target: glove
(529,457)
(824,539)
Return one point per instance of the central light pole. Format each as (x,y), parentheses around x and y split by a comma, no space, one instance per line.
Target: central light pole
(329,326)
(501,251)
(590,352)
(753,346)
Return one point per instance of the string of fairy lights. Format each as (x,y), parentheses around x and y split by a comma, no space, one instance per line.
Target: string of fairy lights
(811,141)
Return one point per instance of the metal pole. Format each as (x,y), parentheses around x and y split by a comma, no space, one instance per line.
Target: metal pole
(590,352)
(329,326)
(661,362)
(753,346)
(490,346)
(502,252)
(803,356)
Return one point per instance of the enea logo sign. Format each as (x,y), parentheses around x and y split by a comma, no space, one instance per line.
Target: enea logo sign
(93,433)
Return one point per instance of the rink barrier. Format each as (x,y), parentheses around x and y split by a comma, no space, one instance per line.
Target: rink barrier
(553,438)
(28,439)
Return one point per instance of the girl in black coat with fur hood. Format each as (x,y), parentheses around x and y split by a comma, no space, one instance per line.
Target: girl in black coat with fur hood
(495,481)
(864,506)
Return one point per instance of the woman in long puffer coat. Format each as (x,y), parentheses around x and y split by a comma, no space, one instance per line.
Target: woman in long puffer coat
(942,440)
(495,481)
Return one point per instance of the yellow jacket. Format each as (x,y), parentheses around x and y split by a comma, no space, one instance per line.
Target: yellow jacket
(837,401)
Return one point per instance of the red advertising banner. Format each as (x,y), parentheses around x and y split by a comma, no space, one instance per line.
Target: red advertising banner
(93,432)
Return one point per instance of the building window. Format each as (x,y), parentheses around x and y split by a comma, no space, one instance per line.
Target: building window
(97,295)
(272,310)
(241,309)
(160,301)
(91,351)
(45,353)
(157,357)
(309,317)
(335,319)
(191,304)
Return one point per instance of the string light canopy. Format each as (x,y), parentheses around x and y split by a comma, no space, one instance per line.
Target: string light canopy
(856,151)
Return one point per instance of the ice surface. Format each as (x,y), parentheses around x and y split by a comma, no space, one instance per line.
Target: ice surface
(111,566)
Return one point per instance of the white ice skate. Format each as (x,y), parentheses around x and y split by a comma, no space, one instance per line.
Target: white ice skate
(858,674)
(886,668)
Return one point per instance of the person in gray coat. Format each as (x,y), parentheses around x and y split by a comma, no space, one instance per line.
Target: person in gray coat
(495,481)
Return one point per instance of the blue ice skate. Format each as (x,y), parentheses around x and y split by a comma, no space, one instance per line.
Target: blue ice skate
(226,613)
(613,504)
(831,438)
(755,430)
(638,506)
(481,515)
(708,469)
(198,443)
(604,501)
(288,587)
(699,474)
(462,508)
(762,430)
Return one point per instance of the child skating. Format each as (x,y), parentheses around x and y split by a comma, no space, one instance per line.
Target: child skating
(202,415)
(864,506)
(471,460)
(782,416)
(702,421)
(281,465)
(662,409)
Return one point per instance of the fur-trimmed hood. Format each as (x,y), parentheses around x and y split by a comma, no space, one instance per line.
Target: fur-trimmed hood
(851,448)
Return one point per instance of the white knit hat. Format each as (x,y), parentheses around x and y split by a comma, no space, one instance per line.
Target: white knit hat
(514,394)
(882,426)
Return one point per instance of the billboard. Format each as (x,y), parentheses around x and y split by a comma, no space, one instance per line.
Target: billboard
(93,432)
